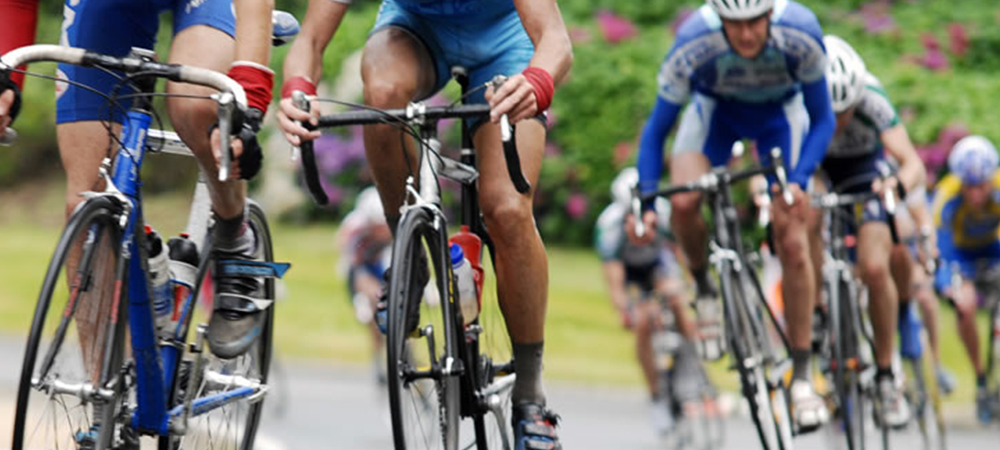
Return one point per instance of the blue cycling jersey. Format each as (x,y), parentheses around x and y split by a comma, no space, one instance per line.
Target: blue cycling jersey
(701,62)
(454,9)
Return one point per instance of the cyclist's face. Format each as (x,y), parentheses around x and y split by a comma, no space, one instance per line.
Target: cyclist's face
(843,119)
(747,37)
(977,195)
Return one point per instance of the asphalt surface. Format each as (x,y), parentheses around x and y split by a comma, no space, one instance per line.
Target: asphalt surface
(318,405)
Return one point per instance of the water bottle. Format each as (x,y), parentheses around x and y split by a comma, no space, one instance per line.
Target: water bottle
(467,297)
(472,248)
(183,273)
(159,277)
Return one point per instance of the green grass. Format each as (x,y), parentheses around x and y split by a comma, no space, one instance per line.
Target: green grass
(584,342)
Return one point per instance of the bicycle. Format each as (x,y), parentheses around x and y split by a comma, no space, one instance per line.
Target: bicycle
(987,285)
(699,424)
(759,347)
(441,366)
(98,283)
(922,391)
(850,339)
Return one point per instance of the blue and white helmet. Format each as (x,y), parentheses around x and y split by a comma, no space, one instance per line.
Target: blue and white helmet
(974,160)
(740,9)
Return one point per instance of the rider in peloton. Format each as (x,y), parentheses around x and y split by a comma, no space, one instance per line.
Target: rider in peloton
(408,57)
(751,69)
(656,272)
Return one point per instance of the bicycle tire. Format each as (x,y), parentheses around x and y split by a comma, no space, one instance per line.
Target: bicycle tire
(255,364)
(921,394)
(752,380)
(851,407)
(92,233)
(419,249)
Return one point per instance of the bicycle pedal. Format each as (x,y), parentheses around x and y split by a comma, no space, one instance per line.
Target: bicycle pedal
(261,269)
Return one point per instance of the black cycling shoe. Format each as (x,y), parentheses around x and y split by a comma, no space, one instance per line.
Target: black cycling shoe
(535,428)
(236,320)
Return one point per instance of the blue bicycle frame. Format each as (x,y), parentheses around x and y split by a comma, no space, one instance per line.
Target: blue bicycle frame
(155,364)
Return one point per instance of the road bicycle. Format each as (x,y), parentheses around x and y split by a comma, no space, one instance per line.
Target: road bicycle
(442,368)
(82,385)
(759,348)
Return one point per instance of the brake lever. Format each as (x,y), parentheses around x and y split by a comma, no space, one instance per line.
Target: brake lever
(779,172)
(510,147)
(226,106)
(640,226)
(311,171)
(8,137)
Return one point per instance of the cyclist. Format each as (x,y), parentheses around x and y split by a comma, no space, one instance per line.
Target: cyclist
(752,69)
(365,248)
(84,140)
(967,215)
(868,130)
(654,270)
(408,55)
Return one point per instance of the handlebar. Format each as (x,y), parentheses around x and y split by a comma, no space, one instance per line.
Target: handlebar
(414,113)
(232,97)
(833,201)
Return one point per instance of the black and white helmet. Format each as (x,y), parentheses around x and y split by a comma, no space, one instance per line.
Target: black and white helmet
(740,9)
(845,74)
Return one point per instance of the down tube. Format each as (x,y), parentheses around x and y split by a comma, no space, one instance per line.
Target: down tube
(151,395)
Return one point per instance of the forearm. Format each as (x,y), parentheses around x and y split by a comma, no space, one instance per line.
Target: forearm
(822,125)
(654,135)
(305,57)
(911,169)
(544,24)
(614,274)
(253,30)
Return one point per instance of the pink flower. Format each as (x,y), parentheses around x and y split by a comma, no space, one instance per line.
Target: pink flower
(951,134)
(958,39)
(615,28)
(552,150)
(576,206)
(679,19)
(933,58)
(622,152)
(579,35)
(876,18)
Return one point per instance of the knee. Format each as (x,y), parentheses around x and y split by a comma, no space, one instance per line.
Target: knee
(387,92)
(685,206)
(875,272)
(508,216)
(966,307)
(794,250)
(192,118)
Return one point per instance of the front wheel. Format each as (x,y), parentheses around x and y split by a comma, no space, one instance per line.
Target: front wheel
(72,376)
(422,338)
(234,425)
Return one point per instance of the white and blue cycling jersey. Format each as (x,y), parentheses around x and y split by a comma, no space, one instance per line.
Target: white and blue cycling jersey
(778,98)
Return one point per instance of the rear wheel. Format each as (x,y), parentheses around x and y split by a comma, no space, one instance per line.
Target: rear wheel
(847,367)
(72,377)
(422,339)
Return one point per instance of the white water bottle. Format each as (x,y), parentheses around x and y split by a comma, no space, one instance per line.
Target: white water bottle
(466,283)
(161,294)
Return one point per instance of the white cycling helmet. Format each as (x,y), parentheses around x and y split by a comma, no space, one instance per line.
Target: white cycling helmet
(369,206)
(621,187)
(973,160)
(845,73)
(740,9)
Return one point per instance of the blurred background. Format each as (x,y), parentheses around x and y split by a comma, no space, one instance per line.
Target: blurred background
(938,60)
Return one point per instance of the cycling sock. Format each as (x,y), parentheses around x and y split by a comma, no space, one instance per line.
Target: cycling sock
(528,367)
(701,280)
(981,380)
(883,372)
(233,235)
(800,364)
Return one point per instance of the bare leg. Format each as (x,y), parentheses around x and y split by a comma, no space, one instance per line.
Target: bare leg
(965,302)
(647,314)
(799,286)
(874,245)
(686,220)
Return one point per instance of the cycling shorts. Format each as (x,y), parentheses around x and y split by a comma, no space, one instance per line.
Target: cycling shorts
(975,265)
(486,45)
(114,27)
(712,126)
(646,276)
(375,270)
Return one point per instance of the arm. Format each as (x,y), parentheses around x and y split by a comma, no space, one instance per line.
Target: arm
(654,135)
(304,65)
(911,169)
(18,30)
(614,274)
(529,93)
(822,124)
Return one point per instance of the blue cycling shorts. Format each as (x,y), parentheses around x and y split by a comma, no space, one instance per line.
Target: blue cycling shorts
(970,264)
(487,43)
(113,27)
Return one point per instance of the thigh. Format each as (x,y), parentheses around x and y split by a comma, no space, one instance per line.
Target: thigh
(874,244)
(402,53)
(111,27)
(498,47)
(200,46)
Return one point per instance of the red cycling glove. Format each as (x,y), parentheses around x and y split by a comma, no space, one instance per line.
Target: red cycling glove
(257,80)
(297,84)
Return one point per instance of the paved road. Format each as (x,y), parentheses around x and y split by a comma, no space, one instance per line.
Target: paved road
(323,406)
